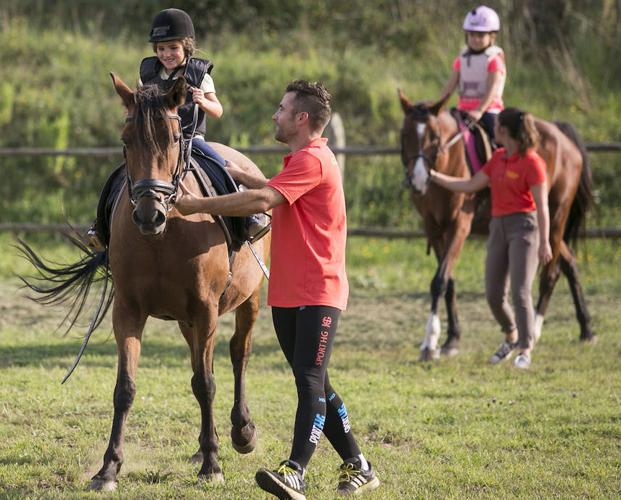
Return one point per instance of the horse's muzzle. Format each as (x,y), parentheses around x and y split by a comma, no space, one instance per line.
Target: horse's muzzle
(150,216)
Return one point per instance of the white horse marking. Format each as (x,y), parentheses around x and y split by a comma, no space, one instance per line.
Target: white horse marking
(538,327)
(432,333)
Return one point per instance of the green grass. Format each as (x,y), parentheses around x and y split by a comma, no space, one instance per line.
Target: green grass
(458,428)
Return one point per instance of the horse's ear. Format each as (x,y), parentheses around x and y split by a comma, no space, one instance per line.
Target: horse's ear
(127,94)
(437,106)
(405,102)
(176,95)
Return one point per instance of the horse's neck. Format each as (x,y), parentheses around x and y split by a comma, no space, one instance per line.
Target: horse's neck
(456,164)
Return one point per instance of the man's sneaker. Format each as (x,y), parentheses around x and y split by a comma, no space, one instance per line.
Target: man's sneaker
(522,361)
(285,482)
(355,481)
(505,351)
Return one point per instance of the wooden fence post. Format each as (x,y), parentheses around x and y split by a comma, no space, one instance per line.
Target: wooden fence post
(335,132)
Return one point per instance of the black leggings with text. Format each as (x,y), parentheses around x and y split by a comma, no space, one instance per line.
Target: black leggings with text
(306,335)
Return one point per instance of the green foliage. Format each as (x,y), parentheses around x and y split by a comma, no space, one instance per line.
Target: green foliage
(562,64)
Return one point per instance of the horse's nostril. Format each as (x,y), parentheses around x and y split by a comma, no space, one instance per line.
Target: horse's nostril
(160,218)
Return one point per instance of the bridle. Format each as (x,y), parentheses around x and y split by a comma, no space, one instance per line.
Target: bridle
(429,161)
(151,188)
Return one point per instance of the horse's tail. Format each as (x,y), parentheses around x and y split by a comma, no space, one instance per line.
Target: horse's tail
(576,222)
(70,284)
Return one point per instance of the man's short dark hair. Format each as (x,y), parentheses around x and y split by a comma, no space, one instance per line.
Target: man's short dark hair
(314,99)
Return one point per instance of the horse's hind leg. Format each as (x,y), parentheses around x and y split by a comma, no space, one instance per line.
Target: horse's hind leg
(243,431)
(548,277)
(570,270)
(128,332)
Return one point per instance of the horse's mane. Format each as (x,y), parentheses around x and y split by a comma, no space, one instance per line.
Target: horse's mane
(150,110)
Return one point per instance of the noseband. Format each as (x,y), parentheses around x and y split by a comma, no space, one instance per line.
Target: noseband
(152,188)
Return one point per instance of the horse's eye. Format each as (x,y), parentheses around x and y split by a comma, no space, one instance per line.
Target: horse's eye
(177,137)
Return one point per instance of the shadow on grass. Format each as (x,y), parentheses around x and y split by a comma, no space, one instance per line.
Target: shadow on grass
(154,352)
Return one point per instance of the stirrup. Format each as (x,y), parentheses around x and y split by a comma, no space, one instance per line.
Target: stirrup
(93,241)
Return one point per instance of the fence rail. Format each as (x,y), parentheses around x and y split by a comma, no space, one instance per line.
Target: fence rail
(601,147)
(371,232)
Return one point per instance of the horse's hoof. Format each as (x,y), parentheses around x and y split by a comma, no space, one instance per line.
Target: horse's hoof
(103,485)
(427,354)
(249,443)
(214,477)
(592,340)
(450,351)
(197,458)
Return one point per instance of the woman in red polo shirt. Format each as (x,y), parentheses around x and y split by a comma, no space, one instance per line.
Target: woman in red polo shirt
(519,230)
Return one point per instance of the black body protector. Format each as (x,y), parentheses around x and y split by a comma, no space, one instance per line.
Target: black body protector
(194,71)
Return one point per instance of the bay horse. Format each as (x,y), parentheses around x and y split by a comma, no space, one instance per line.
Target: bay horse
(169,266)
(430,140)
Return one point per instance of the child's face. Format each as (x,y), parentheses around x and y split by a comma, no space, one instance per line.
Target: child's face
(170,54)
(477,40)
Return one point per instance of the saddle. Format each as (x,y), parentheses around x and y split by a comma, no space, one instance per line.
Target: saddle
(213,180)
(478,148)
(477,143)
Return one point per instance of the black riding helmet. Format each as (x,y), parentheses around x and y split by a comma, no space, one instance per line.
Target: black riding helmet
(171,24)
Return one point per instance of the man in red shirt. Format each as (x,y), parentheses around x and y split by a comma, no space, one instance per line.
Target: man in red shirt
(308,286)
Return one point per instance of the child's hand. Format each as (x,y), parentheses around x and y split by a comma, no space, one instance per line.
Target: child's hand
(475,115)
(197,95)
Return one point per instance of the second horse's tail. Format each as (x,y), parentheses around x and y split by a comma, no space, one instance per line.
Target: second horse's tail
(576,220)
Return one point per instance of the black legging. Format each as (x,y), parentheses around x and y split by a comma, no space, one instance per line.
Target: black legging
(306,335)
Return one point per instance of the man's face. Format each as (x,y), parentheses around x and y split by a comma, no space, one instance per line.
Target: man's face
(285,119)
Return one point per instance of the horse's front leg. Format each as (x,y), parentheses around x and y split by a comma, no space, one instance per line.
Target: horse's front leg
(204,388)
(447,252)
(243,431)
(128,326)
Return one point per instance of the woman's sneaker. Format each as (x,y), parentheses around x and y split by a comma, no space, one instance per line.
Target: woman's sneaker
(522,361)
(505,351)
(285,482)
(355,481)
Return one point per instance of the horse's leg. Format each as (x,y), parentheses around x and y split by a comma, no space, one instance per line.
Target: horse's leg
(204,387)
(548,276)
(429,347)
(451,346)
(128,326)
(188,335)
(570,270)
(443,283)
(243,431)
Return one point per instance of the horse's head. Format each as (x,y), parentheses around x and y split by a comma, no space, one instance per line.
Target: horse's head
(153,149)
(421,139)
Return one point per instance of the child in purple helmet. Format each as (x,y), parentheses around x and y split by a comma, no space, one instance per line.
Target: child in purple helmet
(479,71)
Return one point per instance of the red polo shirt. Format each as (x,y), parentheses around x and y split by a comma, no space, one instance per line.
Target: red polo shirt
(511,179)
(309,231)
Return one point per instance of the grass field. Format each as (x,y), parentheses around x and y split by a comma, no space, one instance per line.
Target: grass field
(459,428)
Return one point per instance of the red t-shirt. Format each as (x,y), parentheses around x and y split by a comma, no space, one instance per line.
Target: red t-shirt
(511,178)
(309,231)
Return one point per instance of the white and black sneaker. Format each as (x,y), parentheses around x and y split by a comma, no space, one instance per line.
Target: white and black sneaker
(355,481)
(286,482)
(505,351)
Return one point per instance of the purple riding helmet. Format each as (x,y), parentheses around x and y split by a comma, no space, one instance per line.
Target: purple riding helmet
(482,19)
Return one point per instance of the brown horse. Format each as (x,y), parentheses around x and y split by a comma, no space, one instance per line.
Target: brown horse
(174,267)
(430,139)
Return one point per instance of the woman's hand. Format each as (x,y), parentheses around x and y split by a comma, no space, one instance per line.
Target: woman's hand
(545,252)
(186,202)
(234,170)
